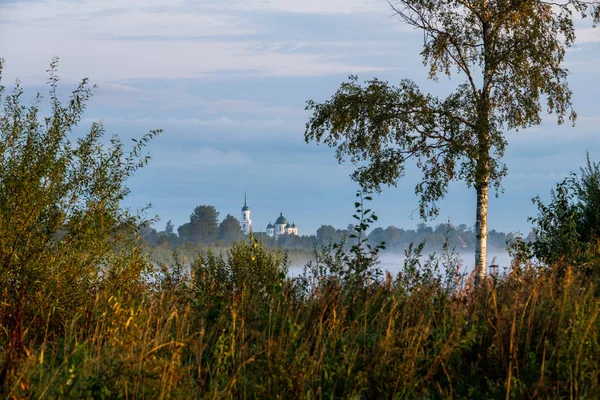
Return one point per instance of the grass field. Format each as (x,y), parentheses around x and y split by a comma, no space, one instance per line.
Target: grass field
(240,328)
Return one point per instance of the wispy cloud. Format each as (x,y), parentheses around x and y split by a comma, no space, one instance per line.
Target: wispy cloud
(588,35)
(171,98)
(228,129)
(306,6)
(170,121)
(208,157)
(111,40)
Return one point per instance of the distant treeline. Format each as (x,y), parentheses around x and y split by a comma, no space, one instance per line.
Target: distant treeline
(204,228)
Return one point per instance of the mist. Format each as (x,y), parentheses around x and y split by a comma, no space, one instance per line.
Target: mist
(394,262)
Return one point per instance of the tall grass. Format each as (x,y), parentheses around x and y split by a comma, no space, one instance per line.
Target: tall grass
(212,332)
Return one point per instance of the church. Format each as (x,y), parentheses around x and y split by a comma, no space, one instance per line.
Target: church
(246,222)
(281,226)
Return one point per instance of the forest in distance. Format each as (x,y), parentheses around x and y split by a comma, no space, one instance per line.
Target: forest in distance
(205,229)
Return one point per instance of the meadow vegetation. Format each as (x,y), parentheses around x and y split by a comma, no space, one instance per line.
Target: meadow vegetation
(84,313)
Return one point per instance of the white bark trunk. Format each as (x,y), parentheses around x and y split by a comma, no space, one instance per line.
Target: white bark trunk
(483,172)
(481,231)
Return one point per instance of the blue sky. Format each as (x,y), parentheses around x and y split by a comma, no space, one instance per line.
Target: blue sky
(228,81)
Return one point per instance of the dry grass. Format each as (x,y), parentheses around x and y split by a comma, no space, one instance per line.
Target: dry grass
(529,335)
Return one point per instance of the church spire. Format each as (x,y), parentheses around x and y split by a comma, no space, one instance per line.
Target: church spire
(246,222)
(245,208)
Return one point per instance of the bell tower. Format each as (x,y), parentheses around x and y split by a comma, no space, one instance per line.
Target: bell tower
(246,222)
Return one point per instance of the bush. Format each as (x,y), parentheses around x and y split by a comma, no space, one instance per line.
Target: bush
(567,229)
(248,265)
(60,215)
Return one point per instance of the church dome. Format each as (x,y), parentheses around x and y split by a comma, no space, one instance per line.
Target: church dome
(293,224)
(245,208)
(288,226)
(281,220)
(270,226)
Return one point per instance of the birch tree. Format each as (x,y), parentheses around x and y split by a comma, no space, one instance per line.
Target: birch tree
(509,54)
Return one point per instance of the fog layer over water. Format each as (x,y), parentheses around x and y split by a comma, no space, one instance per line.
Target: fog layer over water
(394,262)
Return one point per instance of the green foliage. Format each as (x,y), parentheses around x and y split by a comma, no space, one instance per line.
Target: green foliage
(169,228)
(326,234)
(248,264)
(60,215)
(567,229)
(230,230)
(380,127)
(251,264)
(203,226)
(356,265)
(587,191)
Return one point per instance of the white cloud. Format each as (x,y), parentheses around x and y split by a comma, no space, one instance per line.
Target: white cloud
(112,19)
(106,60)
(307,6)
(592,121)
(174,97)
(110,40)
(218,122)
(119,89)
(210,157)
(228,129)
(587,35)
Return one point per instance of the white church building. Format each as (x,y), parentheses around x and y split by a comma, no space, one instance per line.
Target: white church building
(281,226)
(246,222)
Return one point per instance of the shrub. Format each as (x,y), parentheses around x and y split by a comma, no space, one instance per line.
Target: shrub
(567,228)
(60,214)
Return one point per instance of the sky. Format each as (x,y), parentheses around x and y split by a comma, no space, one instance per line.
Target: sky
(228,81)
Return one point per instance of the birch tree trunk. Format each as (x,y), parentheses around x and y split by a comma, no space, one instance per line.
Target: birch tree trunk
(481,231)
(483,165)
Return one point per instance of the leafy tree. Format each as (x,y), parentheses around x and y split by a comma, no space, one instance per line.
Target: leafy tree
(149,234)
(163,240)
(230,230)
(587,191)
(510,54)
(325,234)
(377,236)
(568,227)
(168,236)
(461,229)
(393,235)
(423,229)
(185,232)
(296,242)
(169,228)
(442,228)
(60,213)
(203,226)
